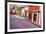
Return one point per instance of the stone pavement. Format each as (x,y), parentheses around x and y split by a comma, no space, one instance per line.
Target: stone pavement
(18,23)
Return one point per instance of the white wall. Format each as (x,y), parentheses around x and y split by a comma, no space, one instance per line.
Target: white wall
(2,17)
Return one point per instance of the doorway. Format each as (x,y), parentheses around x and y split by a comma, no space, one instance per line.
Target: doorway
(35,17)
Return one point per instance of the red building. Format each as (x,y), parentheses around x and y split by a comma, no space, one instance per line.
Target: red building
(34,14)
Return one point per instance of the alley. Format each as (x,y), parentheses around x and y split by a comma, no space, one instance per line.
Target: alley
(20,23)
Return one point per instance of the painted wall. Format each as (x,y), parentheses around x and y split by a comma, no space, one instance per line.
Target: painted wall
(31,8)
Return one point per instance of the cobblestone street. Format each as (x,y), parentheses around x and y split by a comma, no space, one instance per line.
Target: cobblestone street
(18,23)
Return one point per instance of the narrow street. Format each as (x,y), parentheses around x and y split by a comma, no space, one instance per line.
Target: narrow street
(20,22)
